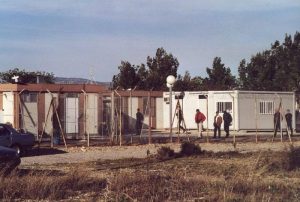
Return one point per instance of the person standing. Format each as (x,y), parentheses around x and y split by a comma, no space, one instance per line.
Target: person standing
(199,119)
(217,124)
(227,121)
(277,121)
(139,122)
(180,119)
(288,118)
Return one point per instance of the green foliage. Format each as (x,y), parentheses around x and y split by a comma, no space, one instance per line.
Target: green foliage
(188,149)
(128,76)
(187,83)
(274,69)
(25,76)
(219,77)
(153,76)
(160,67)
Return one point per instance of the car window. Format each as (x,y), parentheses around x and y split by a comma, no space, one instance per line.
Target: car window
(3,131)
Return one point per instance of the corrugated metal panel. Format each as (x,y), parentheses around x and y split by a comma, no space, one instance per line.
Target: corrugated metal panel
(71,115)
(92,113)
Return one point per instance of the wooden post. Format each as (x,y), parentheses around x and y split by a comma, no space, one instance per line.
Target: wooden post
(150,119)
(207,139)
(256,126)
(112,117)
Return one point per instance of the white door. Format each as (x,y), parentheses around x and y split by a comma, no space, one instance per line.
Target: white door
(92,114)
(72,115)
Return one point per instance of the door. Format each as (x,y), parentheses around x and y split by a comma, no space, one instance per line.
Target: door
(92,114)
(72,115)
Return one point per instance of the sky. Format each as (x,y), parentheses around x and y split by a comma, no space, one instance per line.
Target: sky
(90,38)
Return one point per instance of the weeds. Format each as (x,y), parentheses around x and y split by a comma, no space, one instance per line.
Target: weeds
(188,149)
(44,186)
(165,153)
(213,177)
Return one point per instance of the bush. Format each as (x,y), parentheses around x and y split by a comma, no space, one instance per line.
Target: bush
(188,149)
(165,153)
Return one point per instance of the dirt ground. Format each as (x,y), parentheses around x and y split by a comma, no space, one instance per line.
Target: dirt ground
(76,153)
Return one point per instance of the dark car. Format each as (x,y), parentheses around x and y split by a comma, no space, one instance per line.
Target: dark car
(9,160)
(9,137)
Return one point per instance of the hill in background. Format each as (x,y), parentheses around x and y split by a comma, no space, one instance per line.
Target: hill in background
(64,80)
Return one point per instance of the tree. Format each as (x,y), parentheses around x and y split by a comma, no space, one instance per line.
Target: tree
(127,78)
(161,66)
(274,69)
(25,76)
(153,76)
(187,83)
(219,77)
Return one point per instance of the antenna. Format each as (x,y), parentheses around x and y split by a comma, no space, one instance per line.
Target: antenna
(92,75)
(16,78)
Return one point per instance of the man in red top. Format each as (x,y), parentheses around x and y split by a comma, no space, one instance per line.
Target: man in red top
(199,119)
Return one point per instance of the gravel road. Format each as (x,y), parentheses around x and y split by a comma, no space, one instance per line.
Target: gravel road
(83,154)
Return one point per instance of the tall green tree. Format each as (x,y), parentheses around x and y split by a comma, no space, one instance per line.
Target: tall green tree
(127,77)
(26,76)
(150,76)
(187,83)
(274,69)
(160,67)
(219,77)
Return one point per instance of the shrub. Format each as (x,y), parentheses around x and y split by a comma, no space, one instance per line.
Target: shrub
(165,153)
(188,149)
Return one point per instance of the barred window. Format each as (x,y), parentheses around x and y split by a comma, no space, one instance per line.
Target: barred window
(223,106)
(30,97)
(266,107)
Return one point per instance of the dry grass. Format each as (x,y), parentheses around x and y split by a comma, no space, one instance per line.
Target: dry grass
(49,185)
(207,176)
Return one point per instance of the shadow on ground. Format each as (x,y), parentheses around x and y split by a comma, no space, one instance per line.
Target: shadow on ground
(43,151)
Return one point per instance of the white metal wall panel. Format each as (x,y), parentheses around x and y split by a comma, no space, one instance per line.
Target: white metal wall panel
(8,107)
(264,121)
(92,113)
(72,115)
(49,122)
(30,117)
(159,113)
(213,98)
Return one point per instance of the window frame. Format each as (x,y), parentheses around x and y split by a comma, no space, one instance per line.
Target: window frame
(266,107)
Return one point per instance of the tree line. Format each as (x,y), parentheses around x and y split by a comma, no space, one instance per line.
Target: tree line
(277,68)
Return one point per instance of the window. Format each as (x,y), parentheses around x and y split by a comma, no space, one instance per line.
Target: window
(30,97)
(266,107)
(145,105)
(75,95)
(223,106)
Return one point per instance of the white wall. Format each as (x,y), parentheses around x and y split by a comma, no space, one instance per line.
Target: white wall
(92,113)
(159,113)
(189,104)
(243,108)
(220,96)
(49,121)
(8,107)
(249,117)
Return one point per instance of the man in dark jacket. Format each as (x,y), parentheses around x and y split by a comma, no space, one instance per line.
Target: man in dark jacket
(288,118)
(139,122)
(227,121)
(277,121)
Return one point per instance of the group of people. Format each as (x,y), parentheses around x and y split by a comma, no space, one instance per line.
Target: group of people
(278,118)
(218,120)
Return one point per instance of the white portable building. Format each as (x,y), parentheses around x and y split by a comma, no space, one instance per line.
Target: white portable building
(250,110)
